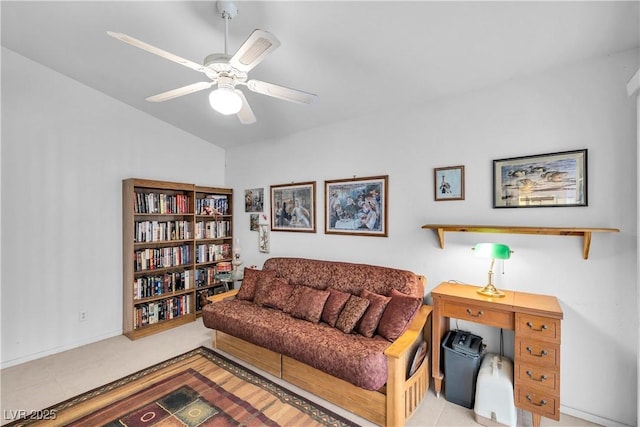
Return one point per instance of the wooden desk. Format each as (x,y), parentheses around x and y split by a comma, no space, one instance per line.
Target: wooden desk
(536,322)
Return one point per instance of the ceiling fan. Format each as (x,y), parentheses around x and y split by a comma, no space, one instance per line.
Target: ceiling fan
(226,71)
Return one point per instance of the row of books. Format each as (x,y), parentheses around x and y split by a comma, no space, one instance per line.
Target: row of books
(161,203)
(150,286)
(214,204)
(212,229)
(206,276)
(157,231)
(158,311)
(153,258)
(212,252)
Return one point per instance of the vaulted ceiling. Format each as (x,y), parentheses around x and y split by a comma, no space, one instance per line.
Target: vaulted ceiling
(360,57)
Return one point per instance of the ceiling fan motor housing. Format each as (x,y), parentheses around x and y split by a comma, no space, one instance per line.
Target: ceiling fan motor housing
(227,9)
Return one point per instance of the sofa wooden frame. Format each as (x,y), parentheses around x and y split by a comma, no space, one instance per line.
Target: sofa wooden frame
(392,405)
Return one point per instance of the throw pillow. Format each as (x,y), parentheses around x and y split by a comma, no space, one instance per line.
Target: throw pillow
(274,294)
(310,304)
(335,303)
(369,322)
(398,314)
(251,279)
(351,313)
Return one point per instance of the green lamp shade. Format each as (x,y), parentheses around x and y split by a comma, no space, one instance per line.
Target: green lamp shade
(492,250)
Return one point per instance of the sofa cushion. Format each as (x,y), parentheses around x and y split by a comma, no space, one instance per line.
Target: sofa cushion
(351,313)
(351,357)
(369,322)
(335,303)
(275,294)
(309,304)
(396,317)
(346,277)
(251,279)
(300,271)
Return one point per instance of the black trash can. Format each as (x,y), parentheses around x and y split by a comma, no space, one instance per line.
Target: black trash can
(462,356)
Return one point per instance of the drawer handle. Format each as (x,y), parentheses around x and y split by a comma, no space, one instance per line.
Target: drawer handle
(542,402)
(470,313)
(542,377)
(542,328)
(541,354)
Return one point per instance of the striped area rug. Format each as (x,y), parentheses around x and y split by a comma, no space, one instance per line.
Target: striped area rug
(197,388)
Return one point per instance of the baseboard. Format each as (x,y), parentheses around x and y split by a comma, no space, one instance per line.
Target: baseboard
(20,360)
(591,417)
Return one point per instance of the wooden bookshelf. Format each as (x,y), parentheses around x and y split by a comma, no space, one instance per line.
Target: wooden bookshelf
(585,233)
(159,224)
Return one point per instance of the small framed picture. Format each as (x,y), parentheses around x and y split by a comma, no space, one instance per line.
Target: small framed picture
(254,200)
(543,180)
(293,207)
(356,206)
(448,183)
(253,222)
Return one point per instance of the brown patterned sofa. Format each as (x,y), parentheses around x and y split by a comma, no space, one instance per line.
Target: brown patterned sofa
(345,332)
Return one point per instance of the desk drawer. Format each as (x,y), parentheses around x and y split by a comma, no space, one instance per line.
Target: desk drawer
(538,327)
(539,353)
(473,313)
(538,402)
(544,378)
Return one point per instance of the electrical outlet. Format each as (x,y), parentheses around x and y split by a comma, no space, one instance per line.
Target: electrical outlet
(83,316)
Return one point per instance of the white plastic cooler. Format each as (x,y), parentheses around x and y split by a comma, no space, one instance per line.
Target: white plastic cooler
(494,403)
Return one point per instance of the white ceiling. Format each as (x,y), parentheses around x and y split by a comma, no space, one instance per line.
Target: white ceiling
(360,57)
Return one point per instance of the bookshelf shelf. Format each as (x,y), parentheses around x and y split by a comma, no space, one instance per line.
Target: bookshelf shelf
(160,268)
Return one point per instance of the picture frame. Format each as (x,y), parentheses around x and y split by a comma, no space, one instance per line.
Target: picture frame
(357,206)
(253,222)
(254,200)
(448,183)
(543,180)
(293,207)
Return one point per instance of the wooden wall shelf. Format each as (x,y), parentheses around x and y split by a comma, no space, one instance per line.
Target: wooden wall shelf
(440,229)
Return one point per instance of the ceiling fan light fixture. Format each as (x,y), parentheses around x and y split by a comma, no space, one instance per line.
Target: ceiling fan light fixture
(225,100)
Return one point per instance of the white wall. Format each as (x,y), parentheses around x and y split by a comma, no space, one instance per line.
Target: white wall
(582,106)
(65,150)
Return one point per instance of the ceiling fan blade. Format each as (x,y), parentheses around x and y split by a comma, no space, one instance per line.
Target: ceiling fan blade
(185,90)
(282,92)
(245,115)
(156,51)
(253,50)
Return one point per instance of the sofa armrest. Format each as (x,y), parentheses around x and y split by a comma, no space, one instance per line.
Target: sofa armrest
(415,332)
(223,296)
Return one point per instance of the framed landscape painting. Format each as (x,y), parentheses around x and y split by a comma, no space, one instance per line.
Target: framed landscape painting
(356,206)
(293,207)
(544,180)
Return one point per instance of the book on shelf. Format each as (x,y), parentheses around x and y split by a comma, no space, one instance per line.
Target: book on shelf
(212,229)
(159,203)
(151,286)
(154,258)
(212,204)
(158,231)
(212,252)
(159,311)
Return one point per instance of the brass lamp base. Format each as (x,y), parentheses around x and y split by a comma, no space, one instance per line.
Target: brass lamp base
(491,291)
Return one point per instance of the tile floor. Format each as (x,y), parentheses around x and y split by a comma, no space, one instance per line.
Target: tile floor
(44,382)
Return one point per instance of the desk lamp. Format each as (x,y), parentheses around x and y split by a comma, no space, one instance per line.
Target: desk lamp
(493,251)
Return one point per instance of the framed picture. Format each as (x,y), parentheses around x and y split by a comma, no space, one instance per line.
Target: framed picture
(356,206)
(254,200)
(544,180)
(448,183)
(253,222)
(293,207)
